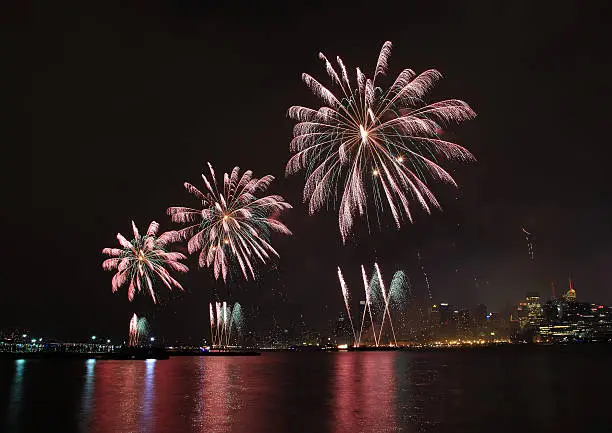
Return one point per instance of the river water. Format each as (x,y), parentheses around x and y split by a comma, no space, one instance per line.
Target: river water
(516,390)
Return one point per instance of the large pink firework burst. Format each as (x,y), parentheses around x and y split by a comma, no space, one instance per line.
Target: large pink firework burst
(368,146)
(143,260)
(233,224)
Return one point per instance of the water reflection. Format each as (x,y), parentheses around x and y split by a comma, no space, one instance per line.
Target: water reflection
(14,407)
(341,392)
(87,395)
(148,396)
(220,394)
(117,396)
(364,390)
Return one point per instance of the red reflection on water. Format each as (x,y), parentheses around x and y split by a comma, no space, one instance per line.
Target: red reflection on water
(117,396)
(200,394)
(365,390)
(216,396)
(232,396)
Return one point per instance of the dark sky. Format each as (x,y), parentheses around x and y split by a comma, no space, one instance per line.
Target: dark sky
(124,101)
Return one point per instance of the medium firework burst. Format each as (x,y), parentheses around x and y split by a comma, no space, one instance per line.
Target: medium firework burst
(142,259)
(233,223)
(369,146)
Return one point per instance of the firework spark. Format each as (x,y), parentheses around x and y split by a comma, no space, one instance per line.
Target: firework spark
(227,319)
(236,321)
(142,259)
(386,298)
(377,298)
(367,306)
(133,335)
(346,296)
(367,145)
(233,223)
(529,239)
(212,324)
(219,321)
(139,329)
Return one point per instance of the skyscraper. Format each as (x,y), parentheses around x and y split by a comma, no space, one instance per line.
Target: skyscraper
(535,313)
(570,296)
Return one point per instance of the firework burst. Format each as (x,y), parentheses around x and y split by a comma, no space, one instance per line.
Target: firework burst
(372,146)
(233,223)
(143,260)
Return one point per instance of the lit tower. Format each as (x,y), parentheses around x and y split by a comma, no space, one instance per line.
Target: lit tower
(570,296)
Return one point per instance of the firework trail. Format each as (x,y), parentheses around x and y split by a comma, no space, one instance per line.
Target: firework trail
(346,296)
(529,239)
(397,293)
(226,321)
(368,306)
(386,298)
(139,329)
(212,323)
(235,320)
(133,335)
(426,283)
(371,146)
(233,223)
(143,259)
(143,329)
(219,321)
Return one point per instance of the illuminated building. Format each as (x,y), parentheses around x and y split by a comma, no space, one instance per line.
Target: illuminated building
(535,313)
(343,333)
(570,296)
(445,313)
(530,312)
(465,323)
(480,315)
(435,315)
(522,314)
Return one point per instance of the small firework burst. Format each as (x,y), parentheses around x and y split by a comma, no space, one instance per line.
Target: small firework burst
(142,261)
(233,224)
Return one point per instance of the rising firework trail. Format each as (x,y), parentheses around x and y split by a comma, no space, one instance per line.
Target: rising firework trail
(386,299)
(212,324)
(426,277)
(374,147)
(345,295)
(219,321)
(139,330)
(223,322)
(529,239)
(368,306)
(233,224)
(225,319)
(143,260)
(395,297)
(133,335)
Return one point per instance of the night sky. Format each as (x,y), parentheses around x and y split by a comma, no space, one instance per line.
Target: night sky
(123,104)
